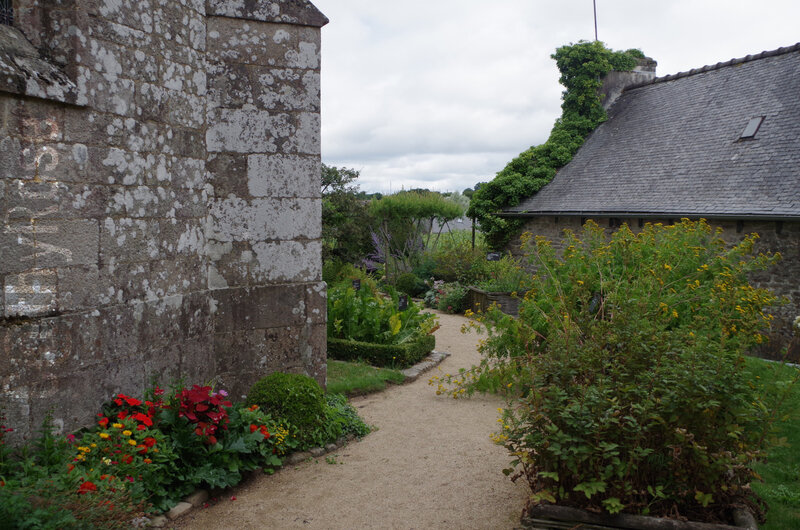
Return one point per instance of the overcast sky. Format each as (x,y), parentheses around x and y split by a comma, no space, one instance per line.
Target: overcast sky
(441,94)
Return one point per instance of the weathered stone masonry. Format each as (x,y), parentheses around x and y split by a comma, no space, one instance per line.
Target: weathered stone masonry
(159,198)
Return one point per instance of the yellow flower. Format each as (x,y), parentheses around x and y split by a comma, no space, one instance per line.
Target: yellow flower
(580,282)
(117,425)
(93,445)
(104,435)
(132,442)
(668,266)
(674,314)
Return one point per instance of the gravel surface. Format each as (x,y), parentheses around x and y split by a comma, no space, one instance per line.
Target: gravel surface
(429,464)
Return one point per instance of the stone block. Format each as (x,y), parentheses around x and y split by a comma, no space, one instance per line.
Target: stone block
(55,200)
(82,287)
(280,12)
(277,176)
(264,307)
(108,30)
(277,45)
(246,131)
(316,302)
(106,92)
(286,89)
(19,249)
(92,129)
(30,294)
(287,261)
(60,243)
(137,15)
(178,510)
(190,33)
(229,85)
(10,164)
(297,458)
(306,137)
(127,240)
(234,219)
(197,498)
(228,175)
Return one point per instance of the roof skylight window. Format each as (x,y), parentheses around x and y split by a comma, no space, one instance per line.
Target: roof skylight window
(752,128)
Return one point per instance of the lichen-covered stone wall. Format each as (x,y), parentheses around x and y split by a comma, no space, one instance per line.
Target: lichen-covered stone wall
(774,236)
(159,199)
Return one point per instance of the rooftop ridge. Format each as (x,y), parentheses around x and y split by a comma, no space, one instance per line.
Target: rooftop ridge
(719,65)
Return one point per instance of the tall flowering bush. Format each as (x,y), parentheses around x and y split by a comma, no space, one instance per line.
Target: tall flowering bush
(626,370)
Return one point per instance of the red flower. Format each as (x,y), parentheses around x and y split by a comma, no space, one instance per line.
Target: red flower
(122,414)
(70,467)
(86,487)
(127,459)
(103,422)
(149,441)
(143,418)
(141,427)
(253,428)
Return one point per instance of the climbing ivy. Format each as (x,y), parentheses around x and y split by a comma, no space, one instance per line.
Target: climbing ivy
(582,68)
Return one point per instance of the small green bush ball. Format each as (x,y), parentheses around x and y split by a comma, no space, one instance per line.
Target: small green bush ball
(295,398)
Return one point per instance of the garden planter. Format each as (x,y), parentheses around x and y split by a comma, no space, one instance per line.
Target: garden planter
(556,517)
(480,300)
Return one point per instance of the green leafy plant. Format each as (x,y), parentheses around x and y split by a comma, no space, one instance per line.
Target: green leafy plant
(366,316)
(452,298)
(582,68)
(627,366)
(410,284)
(505,275)
(296,398)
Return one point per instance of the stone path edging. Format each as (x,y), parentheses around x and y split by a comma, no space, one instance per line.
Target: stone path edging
(196,499)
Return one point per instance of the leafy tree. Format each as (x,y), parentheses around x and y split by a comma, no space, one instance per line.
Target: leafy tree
(345,217)
(405,225)
(582,68)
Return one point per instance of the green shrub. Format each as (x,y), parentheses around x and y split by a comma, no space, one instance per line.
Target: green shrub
(365,315)
(393,355)
(456,260)
(296,398)
(627,364)
(453,298)
(504,276)
(410,284)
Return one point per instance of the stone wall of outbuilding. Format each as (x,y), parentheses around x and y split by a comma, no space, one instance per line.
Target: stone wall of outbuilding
(159,199)
(774,236)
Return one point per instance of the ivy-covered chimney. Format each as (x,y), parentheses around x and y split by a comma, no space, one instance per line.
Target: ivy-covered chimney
(614,83)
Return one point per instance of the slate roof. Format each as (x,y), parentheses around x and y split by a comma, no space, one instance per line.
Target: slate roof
(671,147)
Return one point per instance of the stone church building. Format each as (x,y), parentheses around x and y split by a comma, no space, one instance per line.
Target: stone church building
(159,199)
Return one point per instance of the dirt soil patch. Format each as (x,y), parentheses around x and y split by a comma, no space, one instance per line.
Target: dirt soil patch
(429,464)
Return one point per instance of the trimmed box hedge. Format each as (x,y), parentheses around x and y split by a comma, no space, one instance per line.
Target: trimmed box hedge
(394,355)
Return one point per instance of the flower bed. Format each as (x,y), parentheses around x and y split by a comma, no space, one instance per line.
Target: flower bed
(394,355)
(143,456)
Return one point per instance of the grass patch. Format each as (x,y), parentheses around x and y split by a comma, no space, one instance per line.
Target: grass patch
(353,379)
(781,471)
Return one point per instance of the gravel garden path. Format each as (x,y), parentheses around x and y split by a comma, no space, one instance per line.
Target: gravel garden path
(429,464)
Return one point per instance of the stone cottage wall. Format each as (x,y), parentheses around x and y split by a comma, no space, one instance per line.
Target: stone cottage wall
(159,199)
(783,237)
